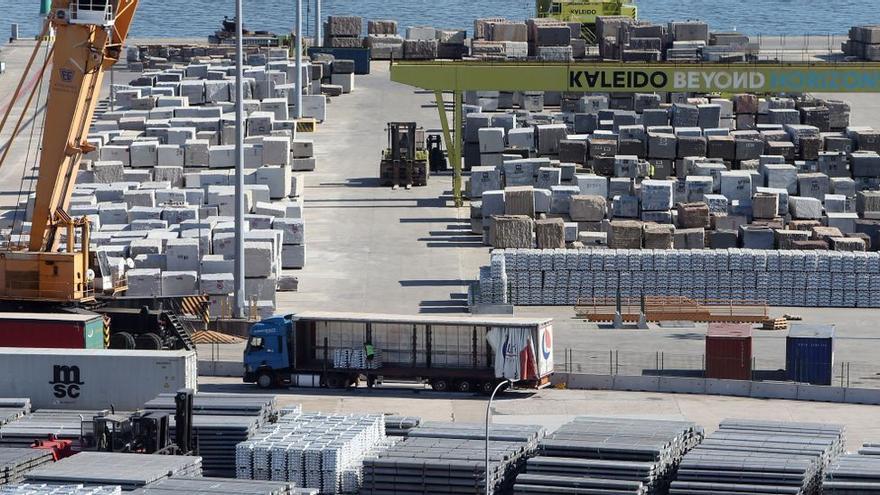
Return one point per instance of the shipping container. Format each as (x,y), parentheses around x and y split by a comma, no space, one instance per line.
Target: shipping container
(729,351)
(52,330)
(809,356)
(92,378)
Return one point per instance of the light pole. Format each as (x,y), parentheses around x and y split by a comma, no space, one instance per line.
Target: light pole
(239,164)
(498,387)
(298,111)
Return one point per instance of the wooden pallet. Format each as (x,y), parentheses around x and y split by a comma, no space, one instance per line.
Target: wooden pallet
(775,324)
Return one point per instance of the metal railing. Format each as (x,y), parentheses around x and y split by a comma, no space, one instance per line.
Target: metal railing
(612,362)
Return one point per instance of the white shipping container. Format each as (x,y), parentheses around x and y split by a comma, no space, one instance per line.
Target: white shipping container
(93,378)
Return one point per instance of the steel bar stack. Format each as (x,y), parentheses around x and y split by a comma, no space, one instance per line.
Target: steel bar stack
(443,465)
(854,474)
(12,409)
(209,486)
(872,449)
(399,426)
(312,450)
(47,489)
(760,457)
(130,471)
(594,455)
(14,462)
(528,435)
(264,407)
(39,425)
(220,423)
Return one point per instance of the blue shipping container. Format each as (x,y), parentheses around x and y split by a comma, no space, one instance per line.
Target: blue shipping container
(809,356)
(361,56)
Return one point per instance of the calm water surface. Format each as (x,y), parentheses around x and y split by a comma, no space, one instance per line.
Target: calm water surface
(197,18)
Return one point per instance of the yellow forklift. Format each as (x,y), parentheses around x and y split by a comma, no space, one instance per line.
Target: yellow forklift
(405,160)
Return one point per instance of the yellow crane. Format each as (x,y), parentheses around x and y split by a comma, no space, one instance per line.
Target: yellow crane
(584,12)
(89,37)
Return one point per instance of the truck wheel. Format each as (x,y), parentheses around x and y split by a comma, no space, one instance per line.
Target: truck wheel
(265,380)
(122,340)
(149,341)
(487,387)
(440,385)
(464,386)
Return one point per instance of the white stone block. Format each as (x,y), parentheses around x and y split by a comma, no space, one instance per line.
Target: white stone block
(276,151)
(170,155)
(260,288)
(216,284)
(297,184)
(272,209)
(116,153)
(179,283)
(293,228)
(258,259)
(171,174)
(144,153)
(144,282)
(156,261)
(222,156)
(278,179)
(302,148)
(113,214)
(195,153)
(182,254)
(344,80)
(303,164)
(108,172)
(293,256)
(215,263)
(140,198)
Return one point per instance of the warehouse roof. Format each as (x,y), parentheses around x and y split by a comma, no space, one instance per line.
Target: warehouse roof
(499,321)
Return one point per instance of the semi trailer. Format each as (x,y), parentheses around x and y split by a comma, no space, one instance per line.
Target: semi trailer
(336,350)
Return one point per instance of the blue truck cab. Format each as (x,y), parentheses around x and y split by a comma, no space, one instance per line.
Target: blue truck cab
(268,352)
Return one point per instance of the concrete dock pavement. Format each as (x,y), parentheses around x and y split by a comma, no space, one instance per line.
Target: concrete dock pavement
(551,407)
(371,248)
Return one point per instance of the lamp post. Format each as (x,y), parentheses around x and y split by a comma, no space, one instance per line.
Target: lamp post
(239,164)
(498,387)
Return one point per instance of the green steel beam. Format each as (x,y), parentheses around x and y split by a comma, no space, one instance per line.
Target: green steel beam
(636,77)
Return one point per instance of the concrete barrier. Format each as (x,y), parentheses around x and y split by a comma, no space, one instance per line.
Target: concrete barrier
(773,390)
(733,388)
(861,396)
(674,384)
(636,383)
(220,368)
(820,393)
(590,382)
(736,388)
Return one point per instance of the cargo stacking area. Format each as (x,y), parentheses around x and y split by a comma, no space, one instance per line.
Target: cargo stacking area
(666,237)
(291,451)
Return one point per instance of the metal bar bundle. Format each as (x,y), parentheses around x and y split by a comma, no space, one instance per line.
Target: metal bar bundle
(14,462)
(399,426)
(872,449)
(45,489)
(130,471)
(312,450)
(39,425)
(609,455)
(527,434)
(180,485)
(12,409)
(746,456)
(443,466)
(265,407)
(216,438)
(853,474)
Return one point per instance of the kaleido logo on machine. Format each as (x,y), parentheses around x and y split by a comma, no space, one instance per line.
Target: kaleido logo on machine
(66,381)
(66,75)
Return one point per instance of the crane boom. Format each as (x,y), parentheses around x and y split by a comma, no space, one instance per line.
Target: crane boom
(89,35)
(87,42)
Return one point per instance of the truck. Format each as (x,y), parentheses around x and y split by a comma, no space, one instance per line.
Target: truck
(450,353)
